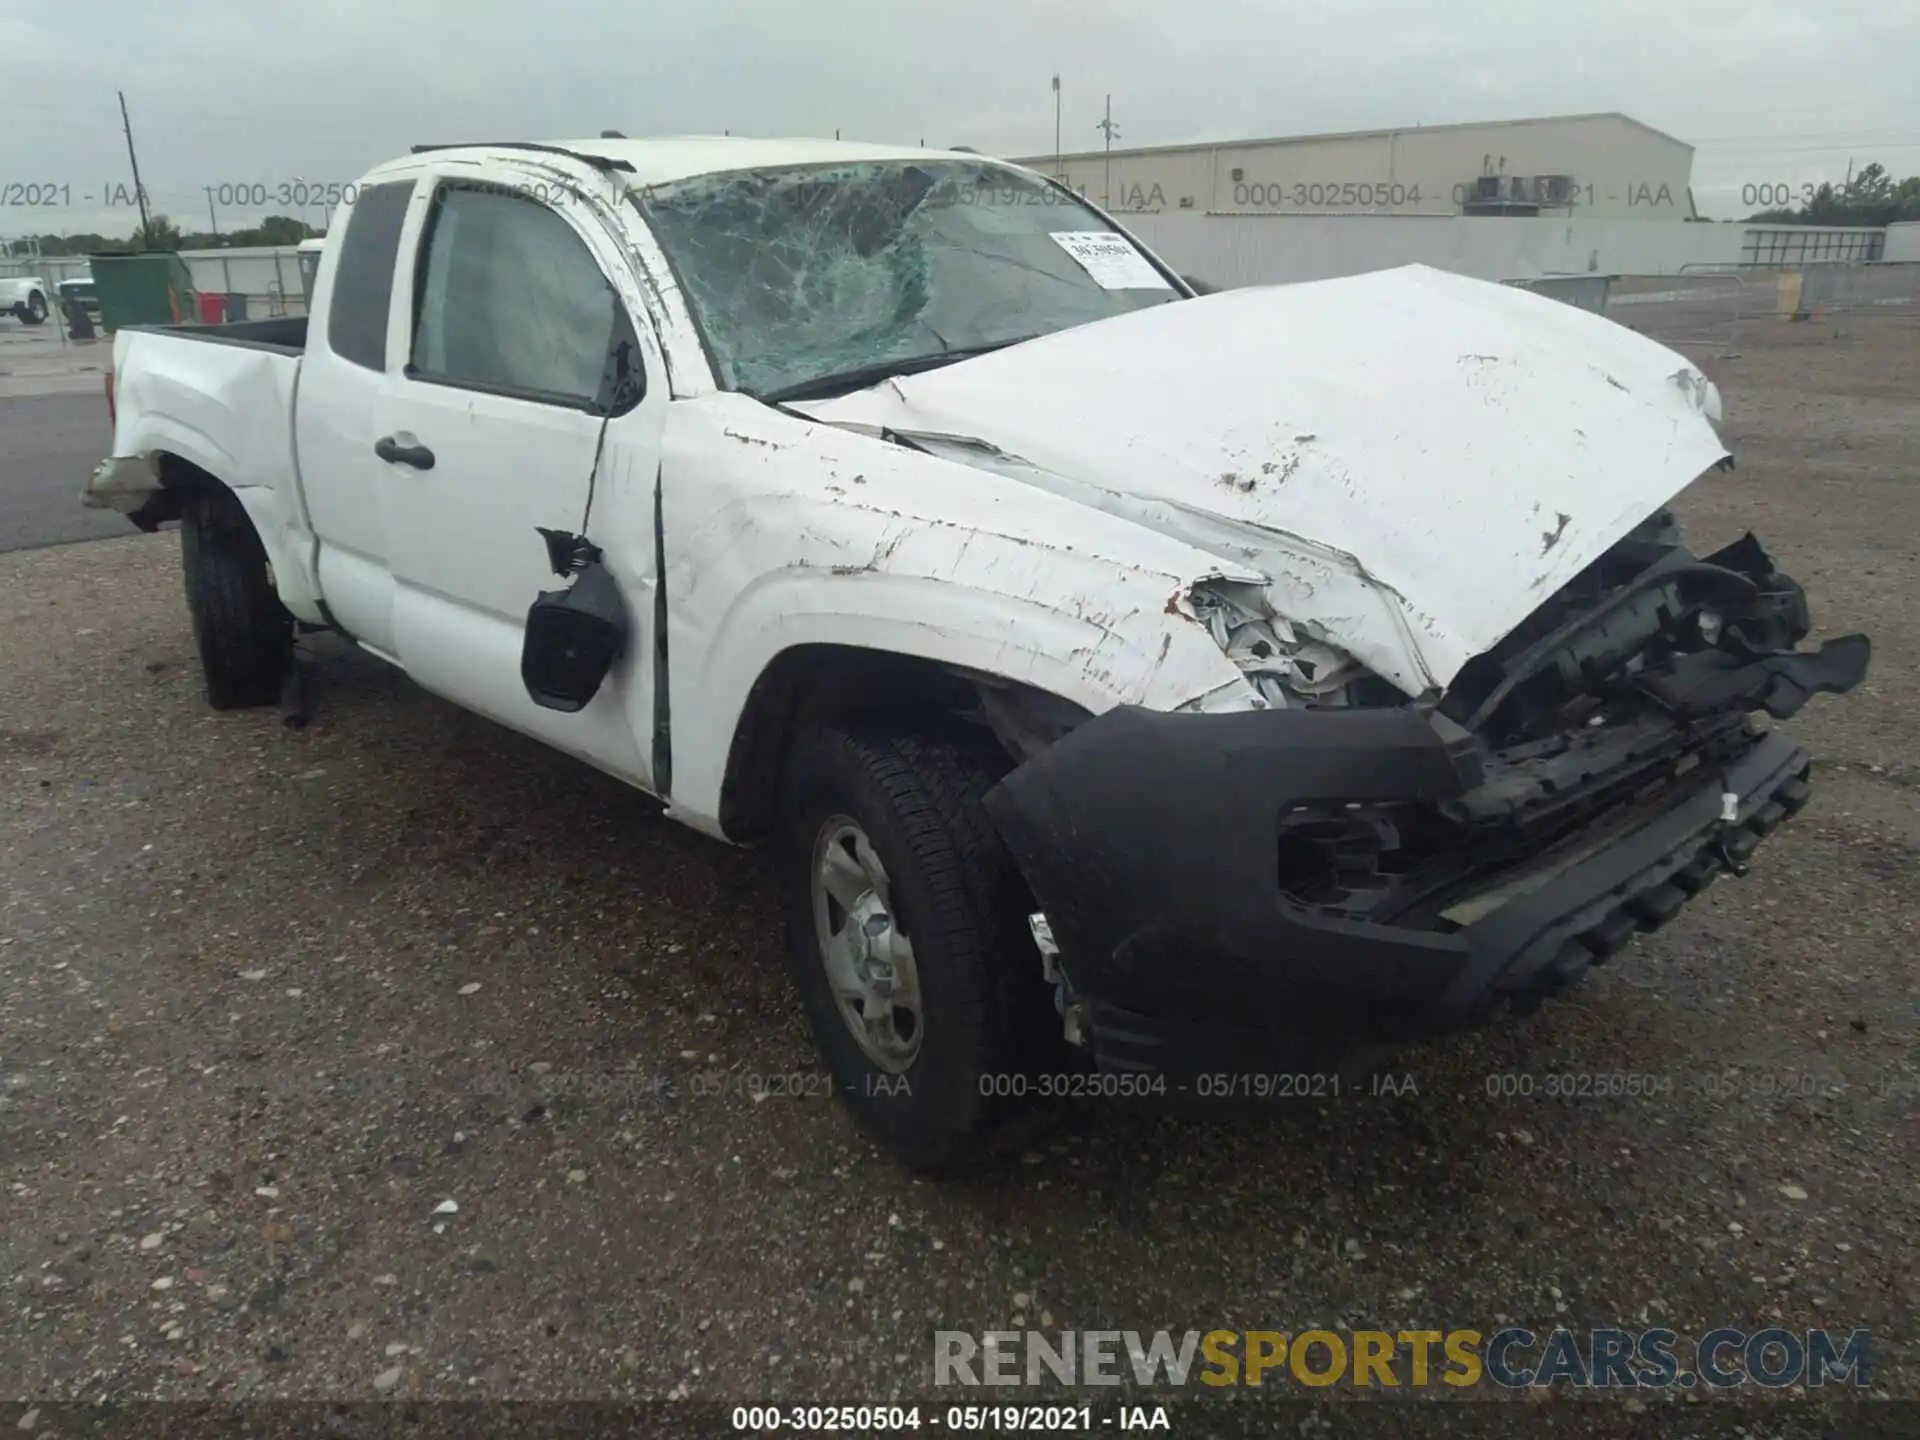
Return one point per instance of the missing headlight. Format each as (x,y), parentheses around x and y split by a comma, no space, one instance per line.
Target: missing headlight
(1365,860)
(1340,855)
(1286,667)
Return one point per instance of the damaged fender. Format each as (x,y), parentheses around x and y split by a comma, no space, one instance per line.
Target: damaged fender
(824,536)
(224,409)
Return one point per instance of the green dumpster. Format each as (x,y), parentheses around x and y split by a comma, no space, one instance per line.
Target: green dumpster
(154,288)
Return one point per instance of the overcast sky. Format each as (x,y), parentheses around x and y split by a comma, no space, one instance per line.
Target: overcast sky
(227,92)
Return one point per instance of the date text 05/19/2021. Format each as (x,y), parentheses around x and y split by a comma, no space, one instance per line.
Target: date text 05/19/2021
(960,1419)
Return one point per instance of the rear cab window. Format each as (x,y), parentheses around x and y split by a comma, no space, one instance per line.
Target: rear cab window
(363,278)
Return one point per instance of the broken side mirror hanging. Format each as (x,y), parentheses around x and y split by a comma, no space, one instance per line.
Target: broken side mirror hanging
(573,635)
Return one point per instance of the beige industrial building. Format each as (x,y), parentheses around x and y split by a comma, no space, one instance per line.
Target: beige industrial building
(1603,167)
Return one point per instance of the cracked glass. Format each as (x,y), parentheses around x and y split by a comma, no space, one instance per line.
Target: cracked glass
(799,276)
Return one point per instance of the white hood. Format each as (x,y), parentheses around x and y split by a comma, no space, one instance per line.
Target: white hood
(1414,459)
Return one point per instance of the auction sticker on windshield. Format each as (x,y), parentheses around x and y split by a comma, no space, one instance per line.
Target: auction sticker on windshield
(1110,259)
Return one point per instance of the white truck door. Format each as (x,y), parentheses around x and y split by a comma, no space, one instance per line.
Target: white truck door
(504,420)
(342,376)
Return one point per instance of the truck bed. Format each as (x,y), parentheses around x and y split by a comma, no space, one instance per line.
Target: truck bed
(283,334)
(222,405)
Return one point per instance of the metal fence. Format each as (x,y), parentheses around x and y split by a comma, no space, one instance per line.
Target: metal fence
(1788,246)
(1583,292)
(1710,311)
(268,276)
(1844,298)
(50,268)
(1697,311)
(270,279)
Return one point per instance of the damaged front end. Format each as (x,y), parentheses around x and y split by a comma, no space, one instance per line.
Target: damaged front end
(1315,881)
(1284,664)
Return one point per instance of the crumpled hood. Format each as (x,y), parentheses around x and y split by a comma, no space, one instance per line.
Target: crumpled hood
(1415,460)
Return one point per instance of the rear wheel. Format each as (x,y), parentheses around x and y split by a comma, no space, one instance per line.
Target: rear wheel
(35,312)
(244,634)
(906,926)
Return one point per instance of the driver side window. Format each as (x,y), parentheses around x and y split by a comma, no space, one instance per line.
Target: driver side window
(508,299)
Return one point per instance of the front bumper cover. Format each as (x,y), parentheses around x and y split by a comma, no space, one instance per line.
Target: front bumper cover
(1151,843)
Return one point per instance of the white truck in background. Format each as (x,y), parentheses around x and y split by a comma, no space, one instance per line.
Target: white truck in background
(1132,686)
(25,298)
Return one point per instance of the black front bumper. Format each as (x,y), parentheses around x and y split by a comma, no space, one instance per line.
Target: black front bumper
(1151,843)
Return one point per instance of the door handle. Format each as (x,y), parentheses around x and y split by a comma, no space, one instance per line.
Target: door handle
(392,451)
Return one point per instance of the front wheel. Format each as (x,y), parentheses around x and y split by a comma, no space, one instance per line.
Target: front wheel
(244,633)
(35,312)
(906,926)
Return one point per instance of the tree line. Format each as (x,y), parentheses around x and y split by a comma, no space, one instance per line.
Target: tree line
(161,233)
(1871,197)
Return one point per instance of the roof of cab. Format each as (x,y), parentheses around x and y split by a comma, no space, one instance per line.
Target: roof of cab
(680,157)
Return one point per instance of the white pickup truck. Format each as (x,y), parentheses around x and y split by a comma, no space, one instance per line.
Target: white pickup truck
(1141,692)
(24,298)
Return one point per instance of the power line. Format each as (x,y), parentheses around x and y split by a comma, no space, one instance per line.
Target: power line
(1792,143)
(1758,137)
(66,107)
(1854,146)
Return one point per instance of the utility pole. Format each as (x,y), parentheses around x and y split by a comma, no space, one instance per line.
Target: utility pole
(1111,130)
(1059,171)
(139,191)
(300,188)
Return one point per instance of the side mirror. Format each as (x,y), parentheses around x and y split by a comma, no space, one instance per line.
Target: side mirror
(573,637)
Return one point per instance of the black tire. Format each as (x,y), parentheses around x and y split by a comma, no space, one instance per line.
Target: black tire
(244,633)
(35,312)
(988,1011)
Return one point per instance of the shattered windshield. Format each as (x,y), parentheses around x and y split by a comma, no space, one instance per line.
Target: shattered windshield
(804,276)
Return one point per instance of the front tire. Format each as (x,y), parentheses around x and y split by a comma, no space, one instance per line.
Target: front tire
(35,312)
(244,633)
(907,937)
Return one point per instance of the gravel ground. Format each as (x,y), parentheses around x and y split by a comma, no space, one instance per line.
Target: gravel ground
(372,1059)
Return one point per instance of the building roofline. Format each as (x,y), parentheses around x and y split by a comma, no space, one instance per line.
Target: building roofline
(1205,145)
